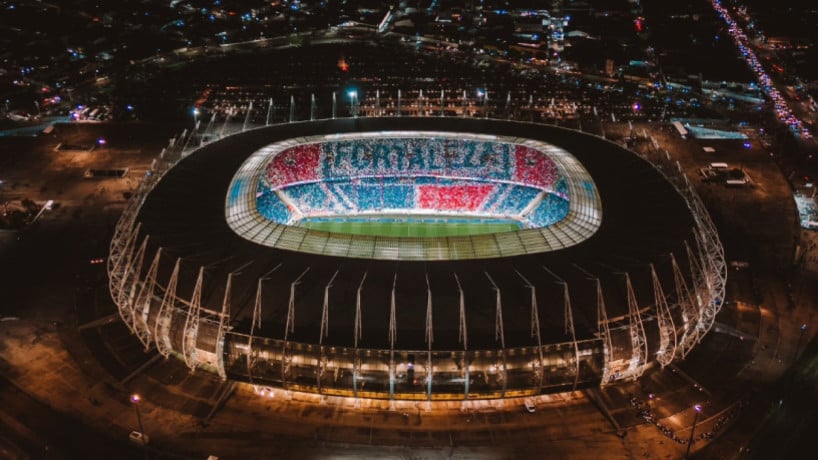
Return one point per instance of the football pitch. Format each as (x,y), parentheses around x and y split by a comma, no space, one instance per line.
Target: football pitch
(410,227)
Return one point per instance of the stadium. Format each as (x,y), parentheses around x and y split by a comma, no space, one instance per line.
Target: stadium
(416,259)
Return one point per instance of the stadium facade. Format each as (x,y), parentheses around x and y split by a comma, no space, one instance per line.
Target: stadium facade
(620,270)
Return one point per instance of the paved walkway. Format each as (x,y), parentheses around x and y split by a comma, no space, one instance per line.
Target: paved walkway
(249,425)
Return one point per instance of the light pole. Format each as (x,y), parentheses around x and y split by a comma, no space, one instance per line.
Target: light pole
(482,94)
(353,95)
(800,339)
(135,400)
(698,409)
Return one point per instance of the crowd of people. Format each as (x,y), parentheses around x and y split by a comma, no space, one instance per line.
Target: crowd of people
(550,210)
(454,197)
(414,174)
(293,165)
(644,410)
(412,156)
(532,206)
(271,207)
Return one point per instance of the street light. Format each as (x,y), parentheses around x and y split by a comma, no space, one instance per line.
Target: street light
(135,399)
(800,339)
(484,95)
(698,409)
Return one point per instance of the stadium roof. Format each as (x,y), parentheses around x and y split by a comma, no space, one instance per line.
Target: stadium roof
(645,220)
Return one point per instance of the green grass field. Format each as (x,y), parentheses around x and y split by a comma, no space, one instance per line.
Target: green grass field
(411,227)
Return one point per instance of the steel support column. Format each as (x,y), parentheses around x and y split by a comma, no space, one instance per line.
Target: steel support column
(429,340)
(224,325)
(324,332)
(499,330)
(667,330)
(639,343)
(289,327)
(392,337)
(356,337)
(463,337)
(163,319)
(144,300)
(535,327)
(191,331)
(690,311)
